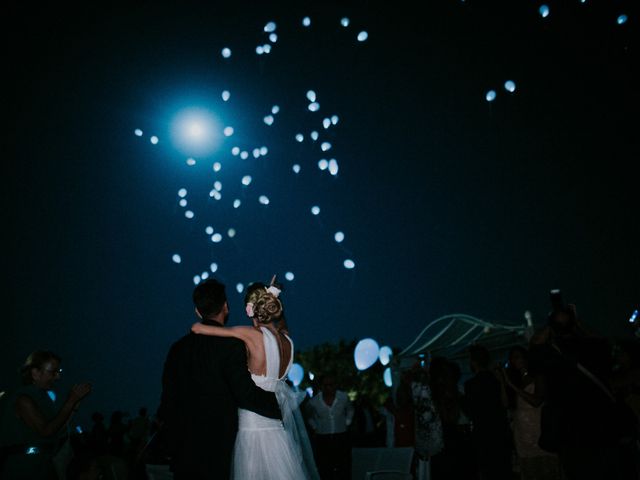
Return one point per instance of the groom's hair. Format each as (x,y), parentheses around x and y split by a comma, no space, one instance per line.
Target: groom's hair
(209,297)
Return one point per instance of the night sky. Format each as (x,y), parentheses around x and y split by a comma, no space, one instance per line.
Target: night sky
(449,203)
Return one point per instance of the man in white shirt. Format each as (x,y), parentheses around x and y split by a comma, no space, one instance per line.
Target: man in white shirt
(329,415)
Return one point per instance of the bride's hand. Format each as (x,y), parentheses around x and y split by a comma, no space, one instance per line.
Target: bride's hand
(197,328)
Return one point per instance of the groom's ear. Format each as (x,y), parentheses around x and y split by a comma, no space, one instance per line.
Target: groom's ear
(198,313)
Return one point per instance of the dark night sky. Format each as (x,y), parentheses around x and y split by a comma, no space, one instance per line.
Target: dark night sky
(449,203)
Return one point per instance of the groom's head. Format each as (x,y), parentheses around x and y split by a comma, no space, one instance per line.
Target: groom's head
(210,300)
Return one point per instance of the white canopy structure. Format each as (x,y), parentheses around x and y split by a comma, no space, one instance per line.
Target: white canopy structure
(452,334)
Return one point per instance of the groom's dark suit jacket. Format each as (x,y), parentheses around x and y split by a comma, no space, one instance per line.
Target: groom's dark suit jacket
(205,381)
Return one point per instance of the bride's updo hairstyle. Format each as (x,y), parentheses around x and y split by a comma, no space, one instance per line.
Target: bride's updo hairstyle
(266,306)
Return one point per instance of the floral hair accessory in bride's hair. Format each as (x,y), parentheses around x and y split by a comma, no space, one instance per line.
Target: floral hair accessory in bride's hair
(249,310)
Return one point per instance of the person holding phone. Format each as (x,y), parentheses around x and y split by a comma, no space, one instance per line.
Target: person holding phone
(32,425)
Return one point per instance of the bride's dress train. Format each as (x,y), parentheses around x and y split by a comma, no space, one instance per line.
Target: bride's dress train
(268,449)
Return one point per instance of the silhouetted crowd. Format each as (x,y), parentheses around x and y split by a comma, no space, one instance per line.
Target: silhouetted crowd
(564,405)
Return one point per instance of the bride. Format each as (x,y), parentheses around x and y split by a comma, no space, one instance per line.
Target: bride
(268,449)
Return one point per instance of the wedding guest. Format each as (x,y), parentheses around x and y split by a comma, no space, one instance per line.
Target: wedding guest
(330,413)
(456,459)
(527,393)
(32,424)
(486,406)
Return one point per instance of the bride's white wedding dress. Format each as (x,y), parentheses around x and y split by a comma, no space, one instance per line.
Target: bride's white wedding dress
(268,449)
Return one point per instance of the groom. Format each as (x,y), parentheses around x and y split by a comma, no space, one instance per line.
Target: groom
(205,381)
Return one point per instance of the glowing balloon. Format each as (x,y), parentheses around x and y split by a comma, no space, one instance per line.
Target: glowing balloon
(196,279)
(235,151)
(239,288)
(349,264)
(226,52)
(266,48)
(217,166)
(256,152)
(362,36)
(333,167)
(325,146)
(270,27)
(154,140)
(246,180)
(268,120)
(366,353)
(311,96)
(275,109)
(315,210)
(264,151)
(622,19)
(314,135)
(217,185)
(138,132)
(228,131)
(314,107)
(491,95)
(259,49)
(204,275)
(299,138)
(244,155)
(386,376)
(306,21)
(544,11)
(214,267)
(231,232)
(182,203)
(311,376)
(323,164)
(182,192)
(226,95)
(296,168)
(326,123)
(191,162)
(215,194)
(334,119)
(189,214)
(236,203)
(385,355)
(209,230)
(289,276)
(296,374)
(216,238)
(273,38)
(264,200)
(510,86)
(339,237)
(176,258)
(344,22)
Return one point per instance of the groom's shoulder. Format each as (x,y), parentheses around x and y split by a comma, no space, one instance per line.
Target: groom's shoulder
(192,340)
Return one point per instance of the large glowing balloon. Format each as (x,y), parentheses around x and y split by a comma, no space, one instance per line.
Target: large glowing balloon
(366,353)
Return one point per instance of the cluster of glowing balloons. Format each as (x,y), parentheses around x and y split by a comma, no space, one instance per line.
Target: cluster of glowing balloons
(368,352)
(196,129)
